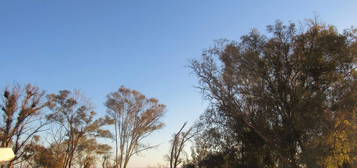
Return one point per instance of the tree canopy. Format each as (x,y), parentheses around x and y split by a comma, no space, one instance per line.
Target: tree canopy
(284,99)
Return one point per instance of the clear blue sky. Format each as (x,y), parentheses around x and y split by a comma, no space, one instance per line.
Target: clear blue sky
(98,45)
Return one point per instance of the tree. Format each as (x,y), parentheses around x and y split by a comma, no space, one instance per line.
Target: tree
(280,94)
(90,152)
(136,117)
(177,145)
(106,162)
(77,124)
(188,165)
(39,156)
(343,143)
(22,111)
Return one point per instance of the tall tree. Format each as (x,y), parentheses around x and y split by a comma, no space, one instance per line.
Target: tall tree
(279,94)
(74,115)
(136,117)
(21,118)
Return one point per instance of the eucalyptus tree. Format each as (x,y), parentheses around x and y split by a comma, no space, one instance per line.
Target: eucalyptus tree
(135,117)
(22,111)
(78,124)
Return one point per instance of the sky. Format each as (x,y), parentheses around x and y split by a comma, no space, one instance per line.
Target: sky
(98,45)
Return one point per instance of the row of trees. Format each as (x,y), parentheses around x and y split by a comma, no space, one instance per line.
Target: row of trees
(285,99)
(62,130)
